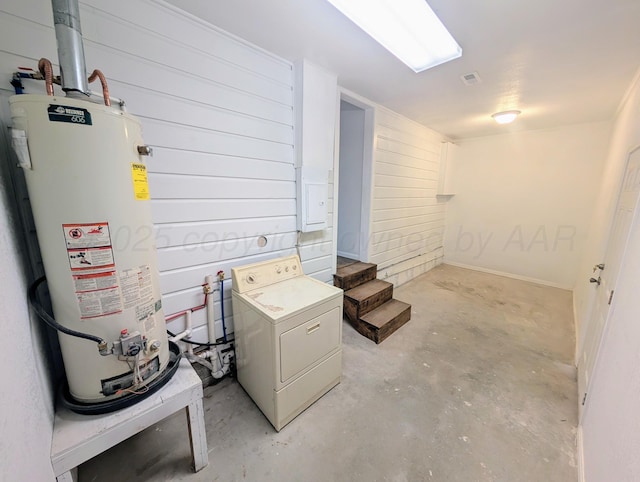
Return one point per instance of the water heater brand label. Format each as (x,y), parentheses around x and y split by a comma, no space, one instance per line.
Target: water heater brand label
(65,113)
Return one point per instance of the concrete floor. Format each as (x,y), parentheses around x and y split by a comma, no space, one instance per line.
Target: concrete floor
(478,386)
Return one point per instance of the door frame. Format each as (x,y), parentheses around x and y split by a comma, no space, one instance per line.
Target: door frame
(367,170)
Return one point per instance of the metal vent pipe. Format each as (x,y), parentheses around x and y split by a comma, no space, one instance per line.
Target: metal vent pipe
(73,72)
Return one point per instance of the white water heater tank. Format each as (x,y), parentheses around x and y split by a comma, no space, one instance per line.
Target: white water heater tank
(88,190)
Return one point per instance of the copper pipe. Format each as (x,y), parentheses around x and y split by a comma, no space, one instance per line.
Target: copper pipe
(195,308)
(46,69)
(96,74)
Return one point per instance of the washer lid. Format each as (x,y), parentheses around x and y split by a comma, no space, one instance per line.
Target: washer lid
(280,300)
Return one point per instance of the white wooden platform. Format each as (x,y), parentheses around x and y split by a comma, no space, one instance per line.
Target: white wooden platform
(77,438)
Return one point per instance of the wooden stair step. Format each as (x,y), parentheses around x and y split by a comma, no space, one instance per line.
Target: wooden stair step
(355,274)
(342,262)
(378,324)
(366,297)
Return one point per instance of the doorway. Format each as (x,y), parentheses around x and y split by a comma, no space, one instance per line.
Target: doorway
(354,178)
(606,274)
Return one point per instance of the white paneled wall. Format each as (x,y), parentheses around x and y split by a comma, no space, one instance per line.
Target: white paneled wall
(407,221)
(218,113)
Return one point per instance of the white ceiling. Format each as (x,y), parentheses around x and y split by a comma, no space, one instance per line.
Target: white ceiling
(558,61)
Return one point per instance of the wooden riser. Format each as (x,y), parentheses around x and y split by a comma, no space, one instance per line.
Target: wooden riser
(355,274)
(379,324)
(367,297)
(368,303)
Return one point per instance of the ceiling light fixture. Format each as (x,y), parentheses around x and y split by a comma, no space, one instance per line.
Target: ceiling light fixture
(506,117)
(409,29)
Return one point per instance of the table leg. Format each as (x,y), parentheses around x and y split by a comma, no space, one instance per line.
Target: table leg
(197,435)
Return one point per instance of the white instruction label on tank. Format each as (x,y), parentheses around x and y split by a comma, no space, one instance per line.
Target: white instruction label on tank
(136,286)
(90,258)
(149,323)
(99,303)
(87,235)
(145,311)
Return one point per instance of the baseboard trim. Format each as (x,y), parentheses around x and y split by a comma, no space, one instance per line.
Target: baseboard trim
(580,454)
(509,275)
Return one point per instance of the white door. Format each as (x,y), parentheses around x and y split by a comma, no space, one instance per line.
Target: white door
(605,278)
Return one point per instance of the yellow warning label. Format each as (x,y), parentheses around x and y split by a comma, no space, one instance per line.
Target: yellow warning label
(140,183)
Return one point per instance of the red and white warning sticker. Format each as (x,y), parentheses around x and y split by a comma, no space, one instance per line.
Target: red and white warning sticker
(93,269)
(98,294)
(90,258)
(87,235)
(95,281)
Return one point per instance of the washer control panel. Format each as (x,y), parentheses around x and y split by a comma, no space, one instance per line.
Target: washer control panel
(265,273)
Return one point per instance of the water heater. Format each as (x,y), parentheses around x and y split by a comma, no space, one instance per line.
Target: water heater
(87,182)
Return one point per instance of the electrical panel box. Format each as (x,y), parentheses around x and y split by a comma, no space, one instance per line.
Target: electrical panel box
(312,189)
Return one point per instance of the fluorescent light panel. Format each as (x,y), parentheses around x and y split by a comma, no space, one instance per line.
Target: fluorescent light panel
(409,29)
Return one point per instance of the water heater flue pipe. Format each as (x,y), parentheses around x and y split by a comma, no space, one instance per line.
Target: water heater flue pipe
(66,19)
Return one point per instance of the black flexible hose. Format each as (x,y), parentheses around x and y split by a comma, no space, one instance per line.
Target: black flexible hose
(49,320)
(200,343)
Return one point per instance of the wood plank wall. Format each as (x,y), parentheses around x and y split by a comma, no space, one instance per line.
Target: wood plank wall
(407,219)
(218,113)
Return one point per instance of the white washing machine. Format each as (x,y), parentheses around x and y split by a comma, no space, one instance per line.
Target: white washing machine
(288,336)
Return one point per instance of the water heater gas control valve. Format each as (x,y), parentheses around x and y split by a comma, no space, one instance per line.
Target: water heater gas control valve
(129,344)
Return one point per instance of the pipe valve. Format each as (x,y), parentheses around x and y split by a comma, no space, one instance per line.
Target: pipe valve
(145,150)
(103,348)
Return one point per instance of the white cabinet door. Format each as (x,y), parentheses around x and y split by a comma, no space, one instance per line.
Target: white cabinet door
(316,94)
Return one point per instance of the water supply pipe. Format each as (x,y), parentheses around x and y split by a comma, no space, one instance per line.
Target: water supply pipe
(46,69)
(186,333)
(211,320)
(220,275)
